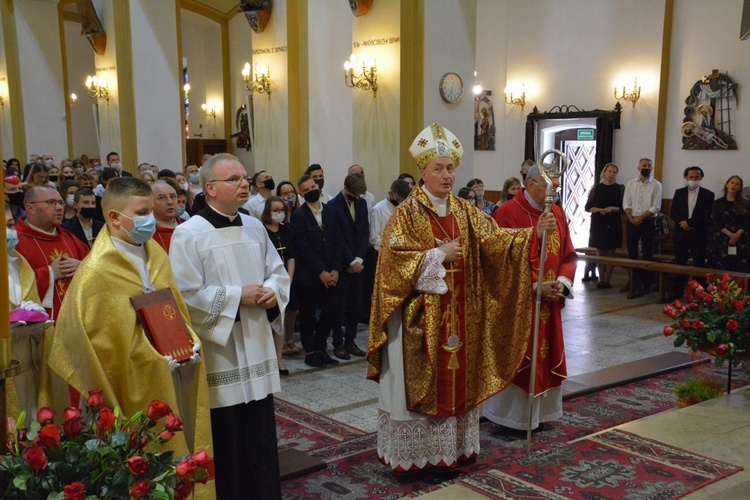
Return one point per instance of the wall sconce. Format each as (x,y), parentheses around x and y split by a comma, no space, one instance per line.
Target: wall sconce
(73,100)
(632,96)
(518,101)
(2,101)
(262,82)
(209,110)
(186,89)
(367,80)
(95,90)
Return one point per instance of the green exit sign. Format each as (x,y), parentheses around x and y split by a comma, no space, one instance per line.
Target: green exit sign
(586,134)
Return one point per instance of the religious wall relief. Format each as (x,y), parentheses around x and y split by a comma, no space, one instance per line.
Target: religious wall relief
(708,118)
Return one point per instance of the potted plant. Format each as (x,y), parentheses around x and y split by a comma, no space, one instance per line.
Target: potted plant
(715,320)
(698,390)
(97,453)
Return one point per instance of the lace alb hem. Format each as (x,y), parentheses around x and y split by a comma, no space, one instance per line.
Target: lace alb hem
(427,441)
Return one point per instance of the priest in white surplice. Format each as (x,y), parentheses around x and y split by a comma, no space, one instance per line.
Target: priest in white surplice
(235,286)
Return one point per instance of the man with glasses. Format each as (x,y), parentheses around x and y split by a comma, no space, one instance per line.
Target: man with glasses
(165,213)
(235,287)
(53,252)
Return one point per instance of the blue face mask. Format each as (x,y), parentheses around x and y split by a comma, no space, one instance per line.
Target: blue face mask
(144,227)
(11,239)
(195,178)
(180,211)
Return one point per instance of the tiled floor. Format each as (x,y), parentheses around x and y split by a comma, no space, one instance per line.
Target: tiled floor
(602,329)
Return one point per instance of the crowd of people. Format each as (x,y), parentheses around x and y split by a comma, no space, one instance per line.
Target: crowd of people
(252,261)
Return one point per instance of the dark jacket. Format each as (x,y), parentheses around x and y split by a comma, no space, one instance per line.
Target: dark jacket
(701,219)
(74,226)
(355,234)
(317,248)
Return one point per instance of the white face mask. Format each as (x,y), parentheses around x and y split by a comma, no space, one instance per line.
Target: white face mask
(185,186)
(70,199)
(693,184)
(278,218)
(479,193)
(117,166)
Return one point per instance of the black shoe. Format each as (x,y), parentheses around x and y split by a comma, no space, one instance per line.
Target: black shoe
(315,360)
(352,349)
(328,359)
(432,476)
(588,278)
(283,371)
(340,352)
(635,295)
(626,288)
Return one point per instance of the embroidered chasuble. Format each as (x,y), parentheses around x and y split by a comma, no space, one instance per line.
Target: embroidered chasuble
(445,337)
(561,260)
(40,249)
(98,344)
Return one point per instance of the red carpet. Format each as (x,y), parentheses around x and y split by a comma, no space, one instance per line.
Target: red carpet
(503,466)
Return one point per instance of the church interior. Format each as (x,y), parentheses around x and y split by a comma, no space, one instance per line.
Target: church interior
(282,84)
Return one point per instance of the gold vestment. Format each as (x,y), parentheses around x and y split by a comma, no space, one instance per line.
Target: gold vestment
(498,301)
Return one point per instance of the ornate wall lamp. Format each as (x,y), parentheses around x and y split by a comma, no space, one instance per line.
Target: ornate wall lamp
(367,80)
(73,100)
(632,96)
(96,90)
(262,82)
(519,100)
(209,110)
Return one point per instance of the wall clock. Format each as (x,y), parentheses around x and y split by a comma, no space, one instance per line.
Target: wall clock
(451,88)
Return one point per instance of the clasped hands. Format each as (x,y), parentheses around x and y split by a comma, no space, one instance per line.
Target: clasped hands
(329,278)
(552,291)
(64,267)
(257,296)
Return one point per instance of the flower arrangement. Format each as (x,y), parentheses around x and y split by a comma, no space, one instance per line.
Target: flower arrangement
(715,320)
(97,453)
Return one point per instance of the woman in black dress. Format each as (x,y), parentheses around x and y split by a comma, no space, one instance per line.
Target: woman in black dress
(730,248)
(273,217)
(605,205)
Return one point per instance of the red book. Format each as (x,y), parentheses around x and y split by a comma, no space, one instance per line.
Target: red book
(165,328)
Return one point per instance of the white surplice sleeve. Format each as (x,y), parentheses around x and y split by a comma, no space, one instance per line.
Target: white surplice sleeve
(213,308)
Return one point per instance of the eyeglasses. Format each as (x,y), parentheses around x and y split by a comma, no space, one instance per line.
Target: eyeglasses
(58,203)
(164,197)
(234,180)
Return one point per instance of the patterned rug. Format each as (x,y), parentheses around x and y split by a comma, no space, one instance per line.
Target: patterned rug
(354,470)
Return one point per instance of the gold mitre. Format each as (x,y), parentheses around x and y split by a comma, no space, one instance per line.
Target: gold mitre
(433,142)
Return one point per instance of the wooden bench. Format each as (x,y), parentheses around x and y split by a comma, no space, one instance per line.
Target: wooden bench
(621,252)
(628,264)
(662,268)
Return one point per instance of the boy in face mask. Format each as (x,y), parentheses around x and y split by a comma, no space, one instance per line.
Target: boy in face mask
(98,341)
(84,226)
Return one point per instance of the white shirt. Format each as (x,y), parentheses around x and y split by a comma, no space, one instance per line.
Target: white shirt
(642,196)
(370,199)
(255,206)
(692,200)
(379,216)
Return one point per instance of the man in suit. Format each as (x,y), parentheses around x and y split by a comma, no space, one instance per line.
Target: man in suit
(84,225)
(316,236)
(691,213)
(351,210)
(113,161)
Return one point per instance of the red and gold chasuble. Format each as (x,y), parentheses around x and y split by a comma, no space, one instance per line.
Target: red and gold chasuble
(561,260)
(451,362)
(40,249)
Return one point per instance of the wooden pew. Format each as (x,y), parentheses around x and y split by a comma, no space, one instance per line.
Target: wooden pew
(628,264)
(663,268)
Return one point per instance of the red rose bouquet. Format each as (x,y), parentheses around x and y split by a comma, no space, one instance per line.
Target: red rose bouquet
(98,453)
(715,320)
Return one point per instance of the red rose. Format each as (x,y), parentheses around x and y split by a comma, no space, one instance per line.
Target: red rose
(711,288)
(739,305)
(677,304)
(183,490)
(669,311)
(200,459)
(724,285)
(688,298)
(741,283)
(106,419)
(72,421)
(45,415)
(173,423)
(157,410)
(698,324)
(708,298)
(137,465)
(49,436)
(722,349)
(166,436)
(710,278)
(186,468)
(668,330)
(140,489)
(732,324)
(74,491)
(36,458)
(693,285)
(693,306)
(96,399)
(684,323)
